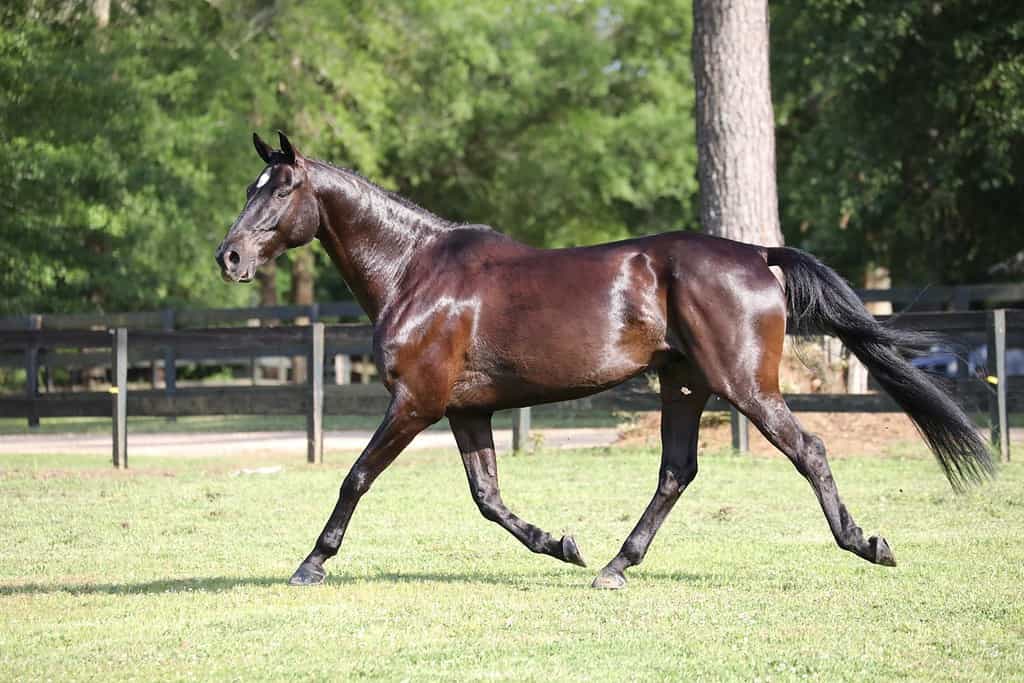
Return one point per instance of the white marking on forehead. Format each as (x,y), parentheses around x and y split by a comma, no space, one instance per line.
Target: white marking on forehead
(263,179)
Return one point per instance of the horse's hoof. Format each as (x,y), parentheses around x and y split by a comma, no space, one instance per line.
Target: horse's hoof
(571,552)
(609,580)
(308,574)
(880,552)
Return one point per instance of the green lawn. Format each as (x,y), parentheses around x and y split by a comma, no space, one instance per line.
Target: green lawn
(553,416)
(177,570)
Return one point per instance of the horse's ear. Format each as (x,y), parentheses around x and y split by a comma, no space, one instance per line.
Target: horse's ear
(287,150)
(262,148)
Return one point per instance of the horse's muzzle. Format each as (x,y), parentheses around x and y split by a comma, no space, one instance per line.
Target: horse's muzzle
(233,267)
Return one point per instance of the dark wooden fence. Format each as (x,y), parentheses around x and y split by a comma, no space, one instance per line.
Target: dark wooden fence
(49,345)
(905,299)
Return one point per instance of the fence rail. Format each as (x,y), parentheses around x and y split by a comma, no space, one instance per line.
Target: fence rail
(953,298)
(121,348)
(169,318)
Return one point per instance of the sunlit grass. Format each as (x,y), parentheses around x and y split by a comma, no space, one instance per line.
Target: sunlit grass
(177,570)
(555,416)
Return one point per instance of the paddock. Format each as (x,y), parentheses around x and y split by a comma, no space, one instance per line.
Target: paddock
(143,580)
(136,575)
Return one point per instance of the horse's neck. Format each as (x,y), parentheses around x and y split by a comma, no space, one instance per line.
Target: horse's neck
(371,236)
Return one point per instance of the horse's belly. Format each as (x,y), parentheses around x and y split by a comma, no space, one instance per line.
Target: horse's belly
(563,333)
(482,392)
(546,372)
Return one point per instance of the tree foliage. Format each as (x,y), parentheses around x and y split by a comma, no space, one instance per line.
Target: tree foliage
(901,133)
(560,122)
(114,182)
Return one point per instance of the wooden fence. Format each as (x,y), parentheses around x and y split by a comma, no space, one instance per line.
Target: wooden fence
(906,299)
(122,348)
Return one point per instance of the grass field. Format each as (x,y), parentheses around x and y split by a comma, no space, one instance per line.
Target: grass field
(547,416)
(177,570)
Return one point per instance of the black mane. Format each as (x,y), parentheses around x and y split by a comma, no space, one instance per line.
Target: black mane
(425,214)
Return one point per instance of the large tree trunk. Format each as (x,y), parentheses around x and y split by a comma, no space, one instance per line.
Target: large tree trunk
(266,276)
(301,295)
(735,122)
(101,10)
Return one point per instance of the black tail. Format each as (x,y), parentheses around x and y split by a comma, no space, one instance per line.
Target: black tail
(821,301)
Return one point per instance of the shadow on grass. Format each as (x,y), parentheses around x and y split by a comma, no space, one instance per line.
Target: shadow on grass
(219,584)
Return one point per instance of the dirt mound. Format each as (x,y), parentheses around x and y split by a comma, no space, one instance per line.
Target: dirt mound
(844,434)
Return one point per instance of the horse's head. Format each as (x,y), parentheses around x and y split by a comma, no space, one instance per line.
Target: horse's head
(280,213)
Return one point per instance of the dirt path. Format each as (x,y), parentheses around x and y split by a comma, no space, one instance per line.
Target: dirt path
(845,434)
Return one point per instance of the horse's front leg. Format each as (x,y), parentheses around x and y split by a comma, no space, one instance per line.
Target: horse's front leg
(476,443)
(401,424)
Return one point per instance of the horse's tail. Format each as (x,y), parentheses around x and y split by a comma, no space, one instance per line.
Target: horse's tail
(819,300)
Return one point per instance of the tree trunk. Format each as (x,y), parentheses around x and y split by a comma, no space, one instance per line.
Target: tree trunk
(267,278)
(301,295)
(101,10)
(735,121)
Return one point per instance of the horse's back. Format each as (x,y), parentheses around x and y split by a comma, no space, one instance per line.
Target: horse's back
(561,323)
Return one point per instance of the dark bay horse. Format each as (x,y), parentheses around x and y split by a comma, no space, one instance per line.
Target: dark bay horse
(468,321)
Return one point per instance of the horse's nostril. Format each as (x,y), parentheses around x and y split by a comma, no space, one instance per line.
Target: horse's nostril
(233,257)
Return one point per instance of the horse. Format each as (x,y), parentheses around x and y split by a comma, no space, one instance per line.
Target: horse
(467,321)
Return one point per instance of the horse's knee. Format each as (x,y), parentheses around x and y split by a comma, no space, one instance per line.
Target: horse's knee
(676,477)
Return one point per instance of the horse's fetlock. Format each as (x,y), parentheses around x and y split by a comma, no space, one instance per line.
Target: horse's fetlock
(632,553)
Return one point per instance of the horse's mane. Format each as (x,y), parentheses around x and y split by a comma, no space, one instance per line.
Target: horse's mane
(427,215)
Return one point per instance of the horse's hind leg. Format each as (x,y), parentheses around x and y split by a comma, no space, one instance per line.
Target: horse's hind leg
(683,395)
(476,443)
(745,372)
(807,452)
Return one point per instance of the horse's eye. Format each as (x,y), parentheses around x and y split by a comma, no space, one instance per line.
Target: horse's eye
(284,192)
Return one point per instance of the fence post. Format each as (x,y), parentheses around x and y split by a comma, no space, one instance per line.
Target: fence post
(342,369)
(170,362)
(521,430)
(996,356)
(35,322)
(120,398)
(740,430)
(315,416)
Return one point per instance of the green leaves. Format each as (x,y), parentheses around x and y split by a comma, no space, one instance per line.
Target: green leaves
(126,148)
(545,120)
(900,130)
(111,187)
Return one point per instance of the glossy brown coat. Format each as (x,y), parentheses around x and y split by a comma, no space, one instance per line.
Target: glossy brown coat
(468,321)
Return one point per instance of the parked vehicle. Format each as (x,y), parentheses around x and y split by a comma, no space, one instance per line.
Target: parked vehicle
(945,361)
